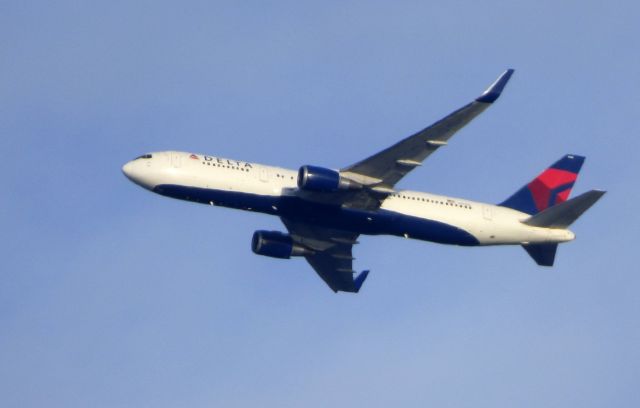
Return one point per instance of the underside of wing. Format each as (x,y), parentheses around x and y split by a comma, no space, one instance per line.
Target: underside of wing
(336,273)
(330,254)
(393,163)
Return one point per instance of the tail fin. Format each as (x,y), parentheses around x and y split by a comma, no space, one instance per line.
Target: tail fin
(551,187)
(564,214)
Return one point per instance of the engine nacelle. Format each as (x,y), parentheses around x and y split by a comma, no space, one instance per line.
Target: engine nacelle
(313,178)
(276,244)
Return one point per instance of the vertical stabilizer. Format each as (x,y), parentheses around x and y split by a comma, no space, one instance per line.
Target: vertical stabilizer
(551,187)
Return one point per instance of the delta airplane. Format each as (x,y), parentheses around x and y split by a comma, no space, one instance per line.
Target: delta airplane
(325,210)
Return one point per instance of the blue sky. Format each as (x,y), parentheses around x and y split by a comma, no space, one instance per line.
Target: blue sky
(113,297)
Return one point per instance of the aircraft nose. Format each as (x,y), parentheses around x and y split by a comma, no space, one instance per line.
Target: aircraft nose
(127,169)
(140,172)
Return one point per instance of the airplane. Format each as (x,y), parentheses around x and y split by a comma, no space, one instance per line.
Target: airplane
(326,210)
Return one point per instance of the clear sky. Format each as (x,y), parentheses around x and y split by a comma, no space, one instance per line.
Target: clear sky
(111,296)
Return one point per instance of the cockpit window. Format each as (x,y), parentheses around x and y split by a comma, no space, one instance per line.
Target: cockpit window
(144,156)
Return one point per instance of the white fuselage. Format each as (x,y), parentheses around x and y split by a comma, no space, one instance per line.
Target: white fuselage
(274,190)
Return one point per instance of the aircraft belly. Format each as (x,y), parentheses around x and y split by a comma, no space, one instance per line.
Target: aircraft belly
(380,222)
(225,198)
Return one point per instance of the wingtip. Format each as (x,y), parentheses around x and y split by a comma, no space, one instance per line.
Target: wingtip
(359,280)
(495,90)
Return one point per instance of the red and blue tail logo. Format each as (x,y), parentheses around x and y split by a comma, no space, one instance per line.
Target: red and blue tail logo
(551,187)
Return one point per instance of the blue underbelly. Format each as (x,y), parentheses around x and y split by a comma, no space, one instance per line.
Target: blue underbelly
(379,222)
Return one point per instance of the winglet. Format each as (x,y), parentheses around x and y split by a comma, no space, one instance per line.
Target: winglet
(359,280)
(493,92)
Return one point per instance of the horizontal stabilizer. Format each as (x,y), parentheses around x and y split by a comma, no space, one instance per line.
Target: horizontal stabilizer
(564,214)
(543,254)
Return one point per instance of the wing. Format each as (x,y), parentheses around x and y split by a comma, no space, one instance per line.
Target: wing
(387,167)
(332,259)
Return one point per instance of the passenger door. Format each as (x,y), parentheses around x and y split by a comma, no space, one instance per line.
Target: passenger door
(176,159)
(487,212)
(264,174)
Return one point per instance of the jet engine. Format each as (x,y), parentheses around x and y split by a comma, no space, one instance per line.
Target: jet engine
(313,178)
(276,244)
